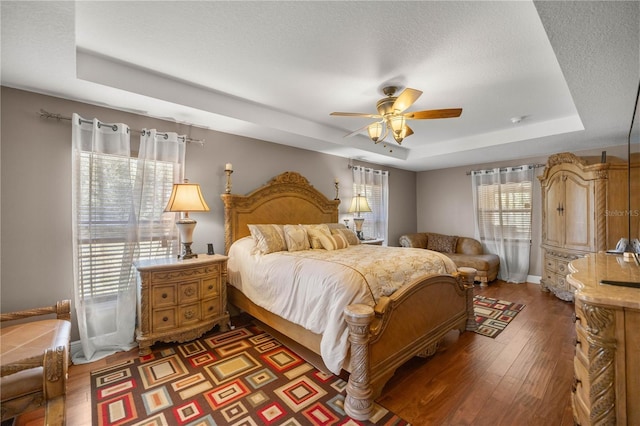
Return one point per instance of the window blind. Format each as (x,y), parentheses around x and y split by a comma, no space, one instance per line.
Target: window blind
(104,212)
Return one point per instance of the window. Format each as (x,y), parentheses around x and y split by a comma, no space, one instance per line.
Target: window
(506,206)
(502,200)
(374,185)
(104,212)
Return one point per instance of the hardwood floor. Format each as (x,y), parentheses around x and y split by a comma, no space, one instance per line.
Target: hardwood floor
(522,377)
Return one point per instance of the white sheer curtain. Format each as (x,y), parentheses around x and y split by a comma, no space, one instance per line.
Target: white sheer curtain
(161,160)
(118,207)
(503,200)
(103,238)
(373,184)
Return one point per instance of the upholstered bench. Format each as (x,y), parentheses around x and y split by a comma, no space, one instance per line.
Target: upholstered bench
(464,251)
(34,362)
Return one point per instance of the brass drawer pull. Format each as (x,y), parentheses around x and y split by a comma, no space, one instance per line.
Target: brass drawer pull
(210,286)
(165,319)
(165,295)
(211,308)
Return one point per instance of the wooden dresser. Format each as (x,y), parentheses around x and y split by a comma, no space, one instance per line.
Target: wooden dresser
(607,360)
(584,210)
(180,300)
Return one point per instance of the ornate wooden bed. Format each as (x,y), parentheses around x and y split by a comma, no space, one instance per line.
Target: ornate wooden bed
(401,326)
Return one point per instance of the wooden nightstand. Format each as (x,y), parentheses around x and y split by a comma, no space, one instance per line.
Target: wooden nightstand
(373,241)
(180,300)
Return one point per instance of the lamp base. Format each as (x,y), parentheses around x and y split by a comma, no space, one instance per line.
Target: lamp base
(186,226)
(186,252)
(358,221)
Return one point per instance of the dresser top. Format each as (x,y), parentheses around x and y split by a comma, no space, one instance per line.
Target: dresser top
(172,262)
(587,274)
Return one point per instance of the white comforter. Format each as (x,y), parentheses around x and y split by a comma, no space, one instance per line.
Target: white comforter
(312,287)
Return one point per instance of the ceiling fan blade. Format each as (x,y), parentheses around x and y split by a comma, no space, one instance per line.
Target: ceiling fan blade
(355,132)
(356,114)
(406,99)
(434,113)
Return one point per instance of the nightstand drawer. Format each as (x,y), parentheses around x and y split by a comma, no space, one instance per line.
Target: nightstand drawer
(188,292)
(211,307)
(164,319)
(189,314)
(164,295)
(210,287)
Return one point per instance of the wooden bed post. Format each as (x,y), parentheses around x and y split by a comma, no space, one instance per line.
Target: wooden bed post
(466,277)
(358,402)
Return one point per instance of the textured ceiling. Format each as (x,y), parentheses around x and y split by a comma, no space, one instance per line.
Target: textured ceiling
(275,70)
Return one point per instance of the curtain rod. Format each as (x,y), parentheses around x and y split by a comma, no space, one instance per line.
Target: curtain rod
(367,169)
(504,169)
(46,114)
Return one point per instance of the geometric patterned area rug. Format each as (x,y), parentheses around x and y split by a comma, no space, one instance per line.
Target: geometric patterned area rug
(238,377)
(493,315)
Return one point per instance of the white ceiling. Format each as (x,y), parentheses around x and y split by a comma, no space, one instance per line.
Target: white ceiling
(275,70)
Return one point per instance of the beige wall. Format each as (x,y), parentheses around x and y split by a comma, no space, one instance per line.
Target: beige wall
(35,167)
(36,267)
(447,208)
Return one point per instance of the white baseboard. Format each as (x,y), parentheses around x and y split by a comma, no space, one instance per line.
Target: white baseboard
(534,279)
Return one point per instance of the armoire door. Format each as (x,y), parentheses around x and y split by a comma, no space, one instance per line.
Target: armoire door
(579,232)
(554,201)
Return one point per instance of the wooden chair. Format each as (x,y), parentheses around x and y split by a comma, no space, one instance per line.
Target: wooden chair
(34,359)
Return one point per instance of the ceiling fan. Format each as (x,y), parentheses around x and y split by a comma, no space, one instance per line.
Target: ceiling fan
(392,118)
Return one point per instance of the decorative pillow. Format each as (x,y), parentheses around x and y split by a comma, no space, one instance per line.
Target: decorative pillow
(296,238)
(333,242)
(314,232)
(348,235)
(336,225)
(442,243)
(269,238)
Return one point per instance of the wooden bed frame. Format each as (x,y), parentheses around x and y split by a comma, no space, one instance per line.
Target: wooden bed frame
(401,326)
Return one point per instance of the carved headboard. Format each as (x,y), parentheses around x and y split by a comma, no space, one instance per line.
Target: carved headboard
(286,199)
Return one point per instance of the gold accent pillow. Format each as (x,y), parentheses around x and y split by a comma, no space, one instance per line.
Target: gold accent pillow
(315,232)
(296,238)
(268,238)
(333,242)
(442,243)
(348,235)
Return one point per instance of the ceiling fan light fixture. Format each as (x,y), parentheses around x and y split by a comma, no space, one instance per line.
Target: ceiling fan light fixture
(398,126)
(400,137)
(375,131)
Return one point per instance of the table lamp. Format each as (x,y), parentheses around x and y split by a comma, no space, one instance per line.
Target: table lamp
(359,205)
(186,197)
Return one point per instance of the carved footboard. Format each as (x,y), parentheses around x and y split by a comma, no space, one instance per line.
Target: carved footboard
(402,326)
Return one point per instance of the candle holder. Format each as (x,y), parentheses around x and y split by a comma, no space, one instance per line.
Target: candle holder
(337,185)
(346,222)
(227,188)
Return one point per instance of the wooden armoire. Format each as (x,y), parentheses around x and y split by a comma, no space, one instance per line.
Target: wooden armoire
(584,210)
